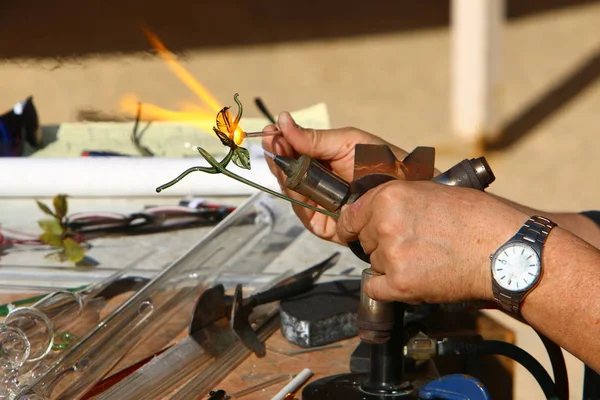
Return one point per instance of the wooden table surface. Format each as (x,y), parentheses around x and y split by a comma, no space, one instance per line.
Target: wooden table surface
(279,362)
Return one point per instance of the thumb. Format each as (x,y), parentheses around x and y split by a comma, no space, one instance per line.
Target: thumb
(316,143)
(378,288)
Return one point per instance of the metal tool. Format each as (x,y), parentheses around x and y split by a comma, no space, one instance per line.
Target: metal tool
(381,324)
(375,319)
(216,311)
(311,179)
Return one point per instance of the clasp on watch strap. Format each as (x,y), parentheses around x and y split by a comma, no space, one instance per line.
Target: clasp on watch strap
(513,309)
(509,304)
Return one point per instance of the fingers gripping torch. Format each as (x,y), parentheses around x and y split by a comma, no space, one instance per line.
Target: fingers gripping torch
(380,324)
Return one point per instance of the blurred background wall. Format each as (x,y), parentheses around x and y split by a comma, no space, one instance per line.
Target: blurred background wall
(383,66)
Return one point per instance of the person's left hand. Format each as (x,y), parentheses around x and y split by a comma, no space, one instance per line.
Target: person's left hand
(432,242)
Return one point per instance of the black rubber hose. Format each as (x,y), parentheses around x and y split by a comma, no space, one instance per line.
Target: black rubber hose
(591,384)
(536,369)
(559,368)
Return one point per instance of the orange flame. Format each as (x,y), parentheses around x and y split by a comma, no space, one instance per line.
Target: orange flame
(202,117)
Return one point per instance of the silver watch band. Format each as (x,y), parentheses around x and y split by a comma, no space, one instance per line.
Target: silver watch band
(535,231)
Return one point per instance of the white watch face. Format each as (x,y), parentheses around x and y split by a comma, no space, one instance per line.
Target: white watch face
(516,267)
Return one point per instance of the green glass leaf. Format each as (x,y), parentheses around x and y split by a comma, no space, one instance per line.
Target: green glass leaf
(44,208)
(51,226)
(60,206)
(73,250)
(241,158)
(51,239)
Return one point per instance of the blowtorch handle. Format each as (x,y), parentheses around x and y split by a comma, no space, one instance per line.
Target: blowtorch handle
(474,173)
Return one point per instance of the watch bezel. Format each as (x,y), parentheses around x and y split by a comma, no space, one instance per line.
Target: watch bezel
(512,243)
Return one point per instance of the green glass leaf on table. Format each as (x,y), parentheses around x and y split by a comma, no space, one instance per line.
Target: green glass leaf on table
(73,250)
(51,226)
(51,239)
(63,340)
(60,206)
(241,157)
(45,209)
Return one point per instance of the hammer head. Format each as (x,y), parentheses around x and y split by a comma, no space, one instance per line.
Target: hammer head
(240,323)
(210,325)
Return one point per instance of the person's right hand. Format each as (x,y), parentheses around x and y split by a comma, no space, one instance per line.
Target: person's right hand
(333,147)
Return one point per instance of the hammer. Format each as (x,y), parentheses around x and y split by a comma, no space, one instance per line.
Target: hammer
(230,315)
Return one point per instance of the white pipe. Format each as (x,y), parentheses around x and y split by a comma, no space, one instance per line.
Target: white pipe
(123,177)
(294,384)
(475,68)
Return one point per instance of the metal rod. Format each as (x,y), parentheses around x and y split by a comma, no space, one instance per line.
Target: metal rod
(387,360)
(262,134)
(302,351)
(262,385)
(225,363)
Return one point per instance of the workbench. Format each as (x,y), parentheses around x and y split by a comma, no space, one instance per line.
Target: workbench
(334,360)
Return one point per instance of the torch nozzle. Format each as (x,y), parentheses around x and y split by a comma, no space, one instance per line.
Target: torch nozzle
(288,165)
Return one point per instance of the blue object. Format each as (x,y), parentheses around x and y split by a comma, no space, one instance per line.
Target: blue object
(455,387)
(5,140)
(102,154)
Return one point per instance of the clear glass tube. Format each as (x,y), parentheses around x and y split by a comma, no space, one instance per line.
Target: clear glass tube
(15,349)
(64,339)
(240,237)
(208,378)
(161,375)
(175,366)
(39,322)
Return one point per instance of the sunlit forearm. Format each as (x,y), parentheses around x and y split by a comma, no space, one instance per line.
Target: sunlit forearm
(575,223)
(565,306)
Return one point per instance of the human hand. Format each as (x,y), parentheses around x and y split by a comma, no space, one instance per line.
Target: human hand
(432,242)
(333,147)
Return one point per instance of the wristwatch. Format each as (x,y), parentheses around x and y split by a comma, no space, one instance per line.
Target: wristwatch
(517,265)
